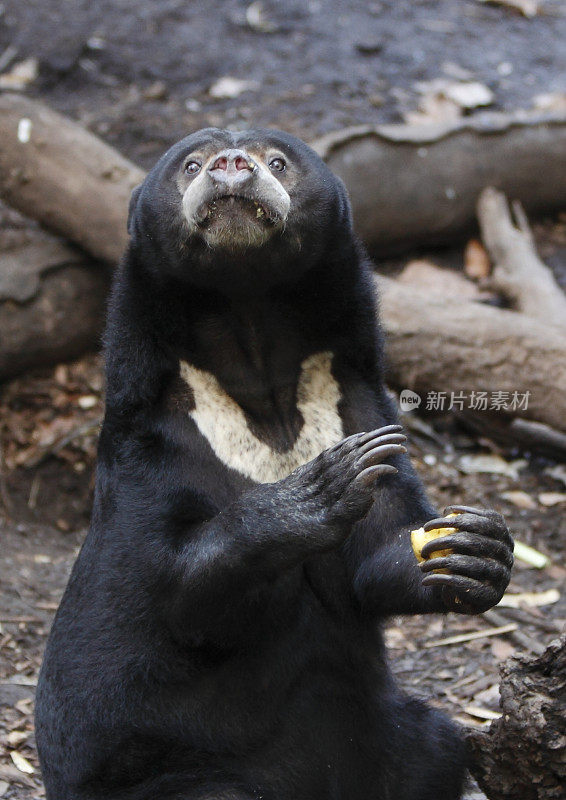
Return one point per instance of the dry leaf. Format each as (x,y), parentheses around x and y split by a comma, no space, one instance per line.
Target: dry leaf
(257,19)
(494,464)
(520,499)
(558,472)
(470,94)
(528,8)
(87,401)
(25,705)
(433,108)
(530,556)
(482,713)
(228,87)
(21,763)
(502,649)
(443,100)
(16,738)
(156,91)
(553,101)
(551,498)
(471,722)
(8,772)
(21,74)
(61,374)
(487,697)
(530,599)
(476,260)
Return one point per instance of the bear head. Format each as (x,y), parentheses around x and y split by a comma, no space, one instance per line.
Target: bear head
(241,210)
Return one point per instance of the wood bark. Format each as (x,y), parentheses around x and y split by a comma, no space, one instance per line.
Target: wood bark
(418,185)
(518,274)
(535,437)
(52,298)
(528,284)
(56,172)
(63,320)
(523,755)
(473,347)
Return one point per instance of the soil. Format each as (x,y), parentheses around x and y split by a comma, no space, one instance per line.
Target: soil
(139,75)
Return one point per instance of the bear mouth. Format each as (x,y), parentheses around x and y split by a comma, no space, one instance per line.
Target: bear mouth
(236,208)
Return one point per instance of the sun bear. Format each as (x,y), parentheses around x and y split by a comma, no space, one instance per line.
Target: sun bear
(219,638)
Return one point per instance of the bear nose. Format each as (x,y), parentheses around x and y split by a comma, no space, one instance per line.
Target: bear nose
(232,169)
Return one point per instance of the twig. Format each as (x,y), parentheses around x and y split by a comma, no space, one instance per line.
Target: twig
(522,638)
(524,433)
(47,606)
(472,678)
(7,56)
(468,637)
(479,684)
(19,680)
(53,448)
(4,494)
(530,599)
(528,617)
(519,273)
(34,489)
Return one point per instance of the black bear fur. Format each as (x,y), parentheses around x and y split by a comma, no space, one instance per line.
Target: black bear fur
(220,637)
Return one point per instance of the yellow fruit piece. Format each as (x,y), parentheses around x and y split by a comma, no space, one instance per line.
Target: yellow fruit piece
(420,537)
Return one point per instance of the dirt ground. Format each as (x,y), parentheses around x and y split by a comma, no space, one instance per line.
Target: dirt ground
(141,76)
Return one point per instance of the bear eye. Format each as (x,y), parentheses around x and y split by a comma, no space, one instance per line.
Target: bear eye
(192,167)
(277,164)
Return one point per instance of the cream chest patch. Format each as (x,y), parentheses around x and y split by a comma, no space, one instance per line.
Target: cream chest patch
(222,422)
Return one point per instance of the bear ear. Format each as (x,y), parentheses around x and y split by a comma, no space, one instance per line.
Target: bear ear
(132,208)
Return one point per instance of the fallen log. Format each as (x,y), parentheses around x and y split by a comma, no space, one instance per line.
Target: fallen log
(471,347)
(55,171)
(523,755)
(418,185)
(52,298)
(60,323)
(529,435)
(73,182)
(520,276)
(409,185)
